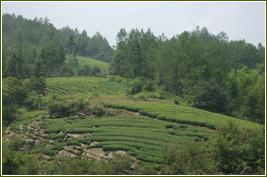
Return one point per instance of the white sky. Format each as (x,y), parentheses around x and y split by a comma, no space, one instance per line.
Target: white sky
(240,20)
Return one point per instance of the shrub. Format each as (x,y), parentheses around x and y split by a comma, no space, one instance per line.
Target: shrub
(96,71)
(121,165)
(149,85)
(140,84)
(118,79)
(65,108)
(66,70)
(15,143)
(97,110)
(85,70)
(177,102)
(49,152)
(73,143)
(37,84)
(240,151)
(33,101)
(13,160)
(190,159)
(143,169)
(136,86)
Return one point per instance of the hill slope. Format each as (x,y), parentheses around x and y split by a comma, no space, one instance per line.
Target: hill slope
(140,128)
(87,61)
(84,85)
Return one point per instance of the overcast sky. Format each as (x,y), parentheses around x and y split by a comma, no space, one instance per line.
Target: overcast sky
(240,20)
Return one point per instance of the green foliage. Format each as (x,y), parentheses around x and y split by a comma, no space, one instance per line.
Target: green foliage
(14,161)
(207,71)
(13,96)
(89,66)
(71,62)
(210,96)
(246,89)
(87,61)
(58,108)
(138,85)
(81,86)
(36,48)
(37,84)
(178,113)
(192,65)
(33,101)
(177,101)
(80,43)
(190,159)
(134,54)
(144,169)
(240,151)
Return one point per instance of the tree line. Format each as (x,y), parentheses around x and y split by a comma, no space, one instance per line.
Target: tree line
(35,47)
(208,71)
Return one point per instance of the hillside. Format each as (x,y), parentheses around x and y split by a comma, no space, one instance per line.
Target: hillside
(190,104)
(36,44)
(84,85)
(121,125)
(91,62)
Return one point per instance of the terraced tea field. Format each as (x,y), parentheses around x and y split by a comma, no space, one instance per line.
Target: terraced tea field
(84,85)
(142,137)
(177,113)
(142,129)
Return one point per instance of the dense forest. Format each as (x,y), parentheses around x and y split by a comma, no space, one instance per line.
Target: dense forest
(36,47)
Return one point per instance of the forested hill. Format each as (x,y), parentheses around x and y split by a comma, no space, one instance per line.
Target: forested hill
(35,43)
(208,71)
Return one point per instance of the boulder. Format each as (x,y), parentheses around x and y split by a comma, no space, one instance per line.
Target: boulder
(66,153)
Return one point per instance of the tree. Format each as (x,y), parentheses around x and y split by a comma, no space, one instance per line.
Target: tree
(240,151)
(210,96)
(12,65)
(245,88)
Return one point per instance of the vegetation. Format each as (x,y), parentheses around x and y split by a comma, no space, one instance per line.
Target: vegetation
(37,48)
(86,62)
(84,85)
(200,67)
(177,113)
(234,151)
(189,105)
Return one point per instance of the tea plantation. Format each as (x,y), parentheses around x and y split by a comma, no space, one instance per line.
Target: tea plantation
(113,123)
(84,85)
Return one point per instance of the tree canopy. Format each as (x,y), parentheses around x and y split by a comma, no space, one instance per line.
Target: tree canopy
(209,71)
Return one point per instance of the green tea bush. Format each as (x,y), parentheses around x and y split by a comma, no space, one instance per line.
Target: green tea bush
(73,143)
(49,152)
